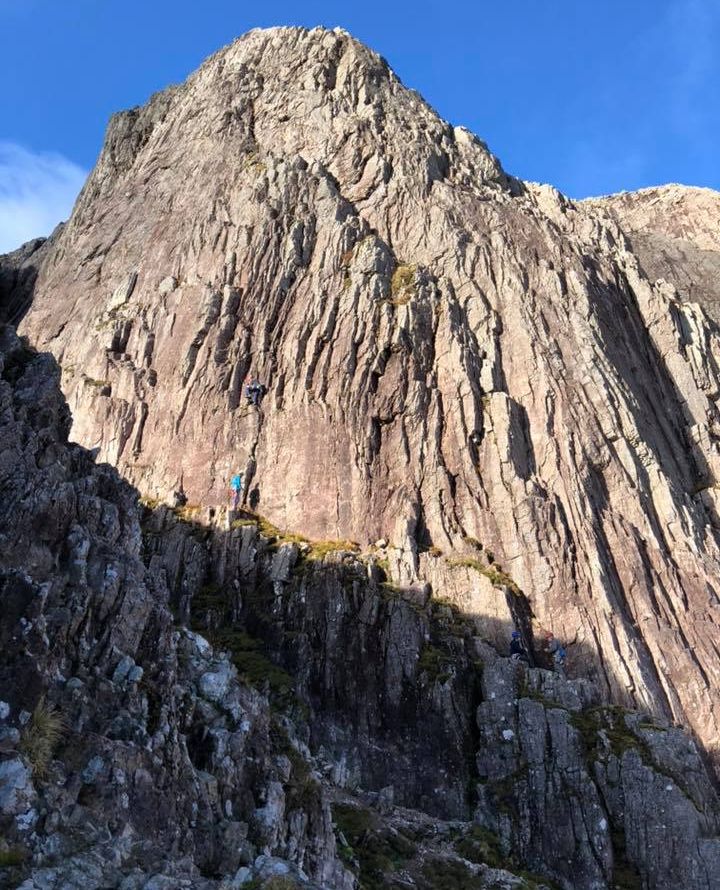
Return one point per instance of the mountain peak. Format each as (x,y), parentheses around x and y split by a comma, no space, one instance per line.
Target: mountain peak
(453,361)
(289,93)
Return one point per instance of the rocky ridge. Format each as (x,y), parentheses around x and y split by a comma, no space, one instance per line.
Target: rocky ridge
(187,706)
(93,664)
(674,231)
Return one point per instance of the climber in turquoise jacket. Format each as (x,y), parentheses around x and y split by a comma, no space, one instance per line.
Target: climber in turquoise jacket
(236,487)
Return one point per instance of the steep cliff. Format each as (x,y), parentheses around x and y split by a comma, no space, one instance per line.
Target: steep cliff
(186,706)
(128,749)
(452,357)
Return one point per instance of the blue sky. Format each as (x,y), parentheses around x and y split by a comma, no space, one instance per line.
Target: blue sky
(593,97)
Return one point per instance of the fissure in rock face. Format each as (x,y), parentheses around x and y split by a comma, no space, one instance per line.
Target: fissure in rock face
(478,371)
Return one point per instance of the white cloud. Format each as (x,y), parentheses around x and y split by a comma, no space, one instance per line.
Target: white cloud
(37,191)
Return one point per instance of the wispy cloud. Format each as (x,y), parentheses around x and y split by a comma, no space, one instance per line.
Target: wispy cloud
(37,191)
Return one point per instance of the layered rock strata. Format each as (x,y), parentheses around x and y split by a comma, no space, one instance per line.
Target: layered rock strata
(315,726)
(403,690)
(451,355)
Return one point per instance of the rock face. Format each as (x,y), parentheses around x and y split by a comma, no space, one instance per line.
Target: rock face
(190,707)
(474,368)
(451,356)
(404,691)
(18,275)
(675,233)
(128,748)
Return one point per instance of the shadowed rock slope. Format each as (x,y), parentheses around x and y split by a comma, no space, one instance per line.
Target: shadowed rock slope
(189,707)
(107,770)
(18,275)
(457,362)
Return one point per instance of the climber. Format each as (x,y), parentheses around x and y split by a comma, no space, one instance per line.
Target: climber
(236,487)
(556,651)
(254,392)
(517,650)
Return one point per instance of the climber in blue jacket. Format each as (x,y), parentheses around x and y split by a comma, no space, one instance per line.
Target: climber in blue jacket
(236,487)
(556,651)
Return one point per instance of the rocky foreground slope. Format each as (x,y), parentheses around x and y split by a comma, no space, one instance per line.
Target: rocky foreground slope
(454,359)
(184,706)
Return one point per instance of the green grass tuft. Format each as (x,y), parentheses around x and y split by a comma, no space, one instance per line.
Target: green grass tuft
(449,874)
(254,667)
(242,523)
(607,722)
(497,577)
(211,612)
(481,846)
(150,503)
(435,664)
(98,384)
(314,550)
(268,530)
(280,882)
(188,513)
(12,856)
(466,562)
(320,549)
(374,851)
(402,284)
(41,736)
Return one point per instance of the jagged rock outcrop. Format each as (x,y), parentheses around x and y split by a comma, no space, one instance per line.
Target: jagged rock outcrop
(451,355)
(674,231)
(130,755)
(403,697)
